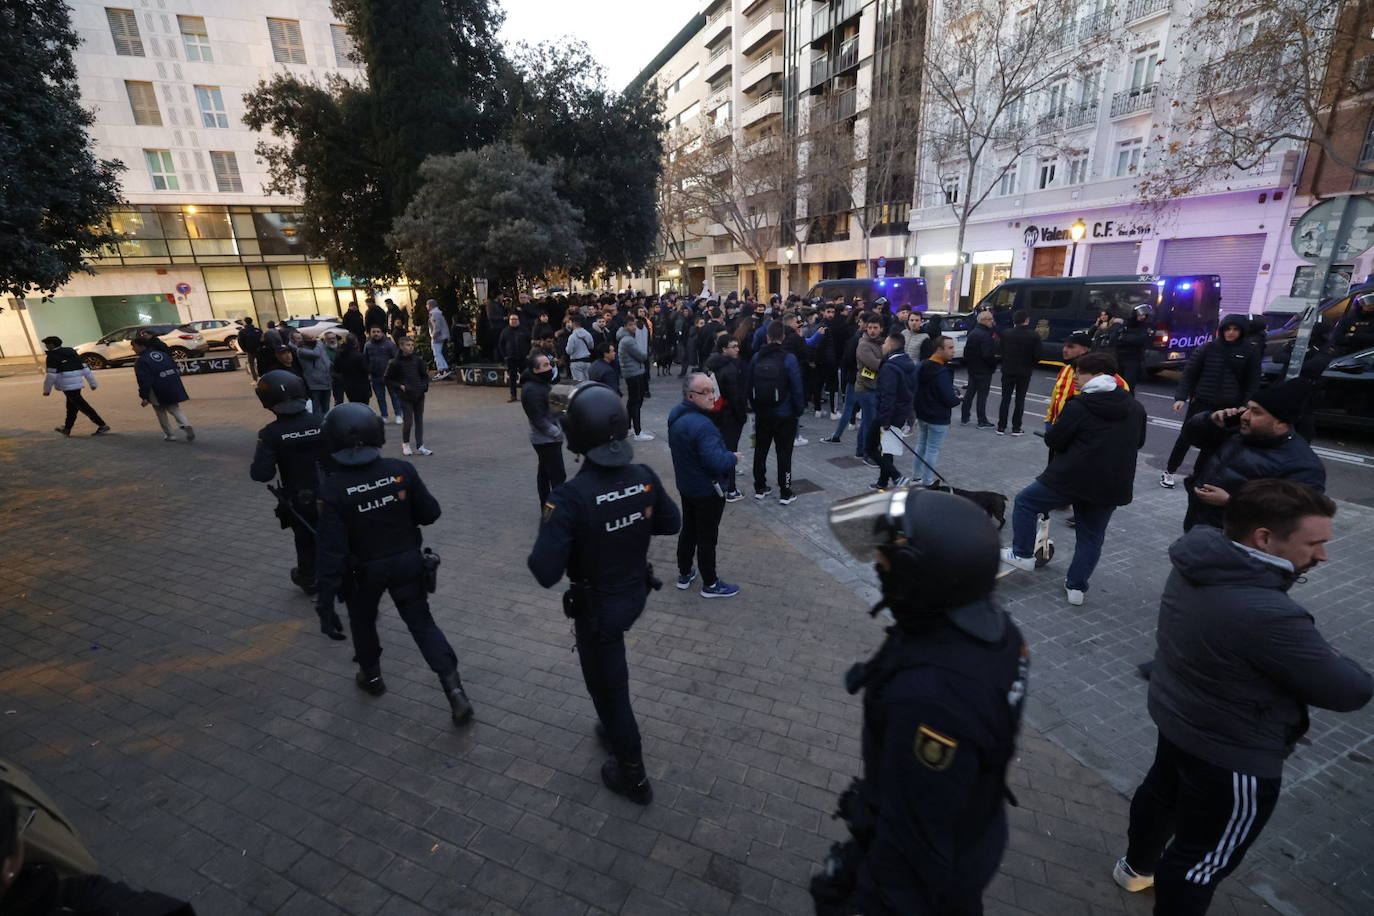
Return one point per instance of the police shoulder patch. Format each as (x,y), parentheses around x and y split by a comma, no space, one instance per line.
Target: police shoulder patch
(934,750)
(548,511)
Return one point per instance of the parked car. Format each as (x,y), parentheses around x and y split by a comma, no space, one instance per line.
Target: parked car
(1184,309)
(314,325)
(219,333)
(1279,341)
(182,340)
(954,325)
(900,292)
(1345,396)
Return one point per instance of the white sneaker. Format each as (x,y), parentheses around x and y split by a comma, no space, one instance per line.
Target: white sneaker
(421,450)
(1166,480)
(1075,597)
(800,441)
(405,449)
(1129,879)
(399,421)
(643,437)
(1025,564)
(834,414)
(818,415)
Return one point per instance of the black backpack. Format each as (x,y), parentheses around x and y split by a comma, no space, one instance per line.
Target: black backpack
(769,384)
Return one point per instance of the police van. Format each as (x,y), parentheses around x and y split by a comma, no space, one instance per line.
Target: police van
(900,292)
(1183,310)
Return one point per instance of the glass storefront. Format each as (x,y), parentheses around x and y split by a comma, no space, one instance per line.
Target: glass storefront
(986,277)
(271,293)
(204,234)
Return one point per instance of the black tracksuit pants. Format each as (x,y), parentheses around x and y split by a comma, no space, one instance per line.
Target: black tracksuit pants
(551,470)
(769,431)
(1191,824)
(1014,389)
(700,531)
(76,401)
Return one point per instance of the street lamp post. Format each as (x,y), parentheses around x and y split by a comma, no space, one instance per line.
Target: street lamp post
(791,252)
(1076,232)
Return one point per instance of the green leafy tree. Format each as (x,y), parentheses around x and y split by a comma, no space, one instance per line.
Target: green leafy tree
(55,194)
(605,145)
(492,212)
(353,150)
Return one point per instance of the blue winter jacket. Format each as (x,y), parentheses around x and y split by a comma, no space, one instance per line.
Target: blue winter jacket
(935,397)
(700,458)
(159,379)
(791,406)
(897,381)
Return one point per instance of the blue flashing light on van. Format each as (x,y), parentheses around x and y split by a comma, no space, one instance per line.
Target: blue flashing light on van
(900,292)
(1182,311)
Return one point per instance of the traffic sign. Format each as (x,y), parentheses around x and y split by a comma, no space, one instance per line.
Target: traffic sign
(183,288)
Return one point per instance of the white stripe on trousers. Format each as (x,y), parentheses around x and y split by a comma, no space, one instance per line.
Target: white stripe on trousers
(1244,809)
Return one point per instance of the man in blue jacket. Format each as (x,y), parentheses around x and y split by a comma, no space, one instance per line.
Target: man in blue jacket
(702,465)
(1238,662)
(897,379)
(775,392)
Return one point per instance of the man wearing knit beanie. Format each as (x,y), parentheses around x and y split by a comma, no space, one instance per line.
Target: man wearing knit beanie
(1251,442)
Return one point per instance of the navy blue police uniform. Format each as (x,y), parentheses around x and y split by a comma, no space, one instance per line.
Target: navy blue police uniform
(941,713)
(292,447)
(596,527)
(369,544)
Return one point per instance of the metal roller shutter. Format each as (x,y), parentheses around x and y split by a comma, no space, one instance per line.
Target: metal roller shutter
(1113,258)
(725,281)
(1235,258)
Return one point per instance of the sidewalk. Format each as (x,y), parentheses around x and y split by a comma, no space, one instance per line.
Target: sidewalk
(167,685)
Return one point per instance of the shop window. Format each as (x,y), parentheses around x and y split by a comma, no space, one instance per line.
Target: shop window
(211,101)
(345,51)
(161,170)
(195,39)
(124,31)
(287,45)
(226,166)
(143,102)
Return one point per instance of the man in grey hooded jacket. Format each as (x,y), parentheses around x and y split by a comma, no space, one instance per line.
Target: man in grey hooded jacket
(632,346)
(1238,663)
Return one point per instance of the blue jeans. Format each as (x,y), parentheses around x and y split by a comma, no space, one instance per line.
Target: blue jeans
(1090,531)
(380,391)
(868,403)
(929,438)
(851,404)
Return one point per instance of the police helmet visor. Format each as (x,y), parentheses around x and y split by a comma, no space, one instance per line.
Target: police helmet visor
(863,523)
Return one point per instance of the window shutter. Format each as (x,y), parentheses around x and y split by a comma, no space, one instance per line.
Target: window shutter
(226,171)
(143,101)
(287,46)
(344,48)
(124,31)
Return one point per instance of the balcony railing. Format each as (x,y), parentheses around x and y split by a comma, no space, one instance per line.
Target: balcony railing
(758,63)
(718,52)
(1051,122)
(820,70)
(1094,24)
(848,56)
(1080,115)
(763,100)
(761,15)
(1139,9)
(1139,98)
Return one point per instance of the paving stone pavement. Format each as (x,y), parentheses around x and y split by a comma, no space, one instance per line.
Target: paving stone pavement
(163,680)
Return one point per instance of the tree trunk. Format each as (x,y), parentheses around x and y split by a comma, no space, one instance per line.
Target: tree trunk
(761,280)
(958,283)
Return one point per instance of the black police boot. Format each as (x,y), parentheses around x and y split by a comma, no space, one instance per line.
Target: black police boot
(627,779)
(332,626)
(457,699)
(370,679)
(305,585)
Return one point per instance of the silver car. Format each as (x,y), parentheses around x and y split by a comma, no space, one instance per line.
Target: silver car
(182,340)
(219,333)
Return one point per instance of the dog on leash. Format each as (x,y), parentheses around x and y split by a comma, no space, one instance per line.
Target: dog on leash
(994,504)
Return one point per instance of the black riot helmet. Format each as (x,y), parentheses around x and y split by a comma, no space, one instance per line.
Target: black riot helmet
(596,425)
(282,392)
(354,434)
(936,554)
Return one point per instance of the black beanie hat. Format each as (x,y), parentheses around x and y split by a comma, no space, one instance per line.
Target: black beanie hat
(1285,400)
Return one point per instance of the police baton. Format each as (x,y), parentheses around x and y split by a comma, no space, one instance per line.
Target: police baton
(285,501)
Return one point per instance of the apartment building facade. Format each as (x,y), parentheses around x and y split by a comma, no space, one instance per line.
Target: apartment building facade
(166,80)
(1106,122)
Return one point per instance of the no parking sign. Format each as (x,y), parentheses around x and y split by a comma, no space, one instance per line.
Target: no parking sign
(183,288)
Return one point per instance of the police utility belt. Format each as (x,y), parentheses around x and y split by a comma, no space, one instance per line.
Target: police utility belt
(577,602)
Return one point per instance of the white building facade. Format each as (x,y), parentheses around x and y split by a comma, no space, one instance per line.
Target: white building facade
(166,80)
(1111,110)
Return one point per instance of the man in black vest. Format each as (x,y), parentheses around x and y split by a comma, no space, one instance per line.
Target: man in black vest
(942,705)
(597,527)
(369,543)
(292,445)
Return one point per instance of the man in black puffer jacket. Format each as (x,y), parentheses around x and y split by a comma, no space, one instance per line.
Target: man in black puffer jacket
(1238,663)
(980,359)
(1224,373)
(1021,352)
(1094,443)
(1249,443)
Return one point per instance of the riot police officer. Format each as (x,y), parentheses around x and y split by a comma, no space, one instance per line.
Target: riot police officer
(942,704)
(292,445)
(369,543)
(597,527)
